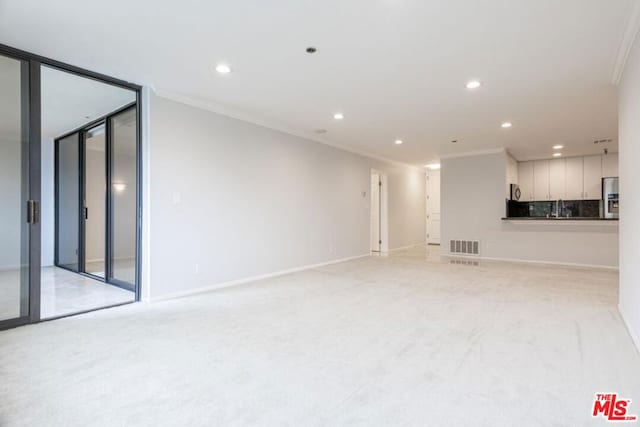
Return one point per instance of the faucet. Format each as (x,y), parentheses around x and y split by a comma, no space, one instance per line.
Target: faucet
(559,208)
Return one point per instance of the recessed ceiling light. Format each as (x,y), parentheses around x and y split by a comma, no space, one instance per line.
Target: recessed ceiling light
(506,125)
(338,116)
(398,141)
(223,69)
(558,147)
(557,154)
(473,84)
(433,166)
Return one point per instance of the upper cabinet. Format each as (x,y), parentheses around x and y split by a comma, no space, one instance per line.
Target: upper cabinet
(574,178)
(541,180)
(525,180)
(557,186)
(609,165)
(571,178)
(592,177)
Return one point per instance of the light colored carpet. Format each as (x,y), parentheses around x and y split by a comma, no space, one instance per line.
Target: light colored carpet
(404,340)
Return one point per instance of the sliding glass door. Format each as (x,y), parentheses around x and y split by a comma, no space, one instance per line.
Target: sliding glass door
(97,199)
(18,213)
(94,196)
(68,202)
(123,197)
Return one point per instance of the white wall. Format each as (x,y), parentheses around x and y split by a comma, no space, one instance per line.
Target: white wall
(473,203)
(231,200)
(629,155)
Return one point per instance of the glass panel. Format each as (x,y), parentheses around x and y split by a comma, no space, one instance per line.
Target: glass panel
(123,190)
(14,232)
(67,203)
(95,194)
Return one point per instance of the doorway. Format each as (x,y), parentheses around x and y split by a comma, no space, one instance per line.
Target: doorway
(378,212)
(35,112)
(433,207)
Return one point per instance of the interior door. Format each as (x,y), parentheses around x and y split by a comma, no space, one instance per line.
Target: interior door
(375,213)
(19,194)
(94,179)
(433,207)
(68,202)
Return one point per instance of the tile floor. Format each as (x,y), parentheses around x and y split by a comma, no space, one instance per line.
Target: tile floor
(62,292)
(402,340)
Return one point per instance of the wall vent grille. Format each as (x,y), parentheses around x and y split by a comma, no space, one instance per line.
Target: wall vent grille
(464,247)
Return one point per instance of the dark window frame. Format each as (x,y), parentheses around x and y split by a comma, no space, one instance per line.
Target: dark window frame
(32,125)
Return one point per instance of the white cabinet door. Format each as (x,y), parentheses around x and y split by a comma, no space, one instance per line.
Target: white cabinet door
(557,179)
(610,165)
(525,180)
(574,179)
(541,180)
(592,177)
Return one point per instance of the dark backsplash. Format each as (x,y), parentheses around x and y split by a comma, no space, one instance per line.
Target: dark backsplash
(571,208)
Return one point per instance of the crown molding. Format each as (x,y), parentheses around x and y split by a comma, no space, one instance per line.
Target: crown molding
(474,153)
(631,28)
(269,124)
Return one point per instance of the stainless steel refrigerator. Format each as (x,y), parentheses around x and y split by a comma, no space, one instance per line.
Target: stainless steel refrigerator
(610,198)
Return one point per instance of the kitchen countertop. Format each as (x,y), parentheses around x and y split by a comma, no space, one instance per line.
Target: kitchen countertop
(543,218)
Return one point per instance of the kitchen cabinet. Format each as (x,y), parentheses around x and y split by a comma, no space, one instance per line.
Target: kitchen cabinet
(574,178)
(541,180)
(592,177)
(557,179)
(525,180)
(609,165)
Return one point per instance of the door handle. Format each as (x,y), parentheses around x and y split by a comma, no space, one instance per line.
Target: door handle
(33,215)
(85,212)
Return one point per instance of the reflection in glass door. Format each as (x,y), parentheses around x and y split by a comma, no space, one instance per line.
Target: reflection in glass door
(15,208)
(94,189)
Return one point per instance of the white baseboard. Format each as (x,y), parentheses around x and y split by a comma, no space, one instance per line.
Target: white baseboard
(634,337)
(529,261)
(231,283)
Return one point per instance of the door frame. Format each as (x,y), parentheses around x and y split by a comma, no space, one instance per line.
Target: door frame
(383,212)
(428,195)
(82,131)
(32,122)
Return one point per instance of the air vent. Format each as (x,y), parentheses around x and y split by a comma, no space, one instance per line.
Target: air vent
(464,247)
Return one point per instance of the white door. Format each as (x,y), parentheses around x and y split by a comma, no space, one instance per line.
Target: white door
(593,177)
(375,212)
(433,207)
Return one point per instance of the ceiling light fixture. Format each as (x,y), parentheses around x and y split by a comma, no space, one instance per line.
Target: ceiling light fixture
(433,166)
(473,84)
(398,141)
(338,116)
(558,147)
(557,154)
(506,125)
(223,69)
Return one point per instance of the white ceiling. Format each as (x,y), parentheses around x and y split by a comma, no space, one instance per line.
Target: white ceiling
(70,101)
(395,68)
